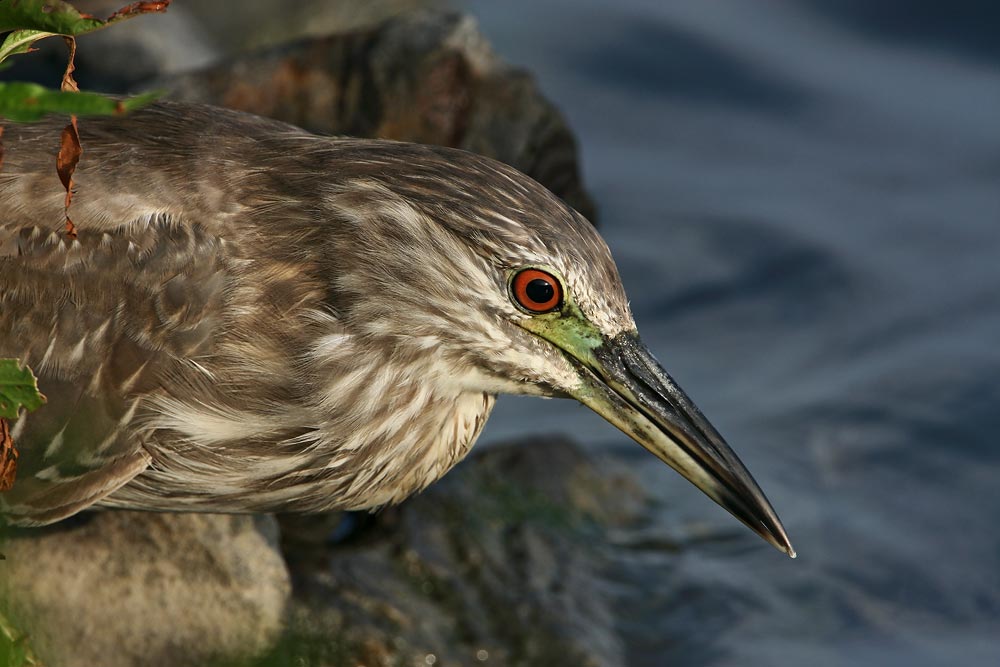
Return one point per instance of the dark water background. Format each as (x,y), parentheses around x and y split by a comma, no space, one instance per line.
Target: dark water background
(804,201)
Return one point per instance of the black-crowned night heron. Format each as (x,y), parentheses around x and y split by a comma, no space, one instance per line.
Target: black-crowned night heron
(254,318)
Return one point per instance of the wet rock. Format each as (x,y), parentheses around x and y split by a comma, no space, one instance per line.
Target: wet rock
(124,589)
(428,77)
(501,563)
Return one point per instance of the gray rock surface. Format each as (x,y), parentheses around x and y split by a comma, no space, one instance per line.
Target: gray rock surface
(501,563)
(509,560)
(263,23)
(130,589)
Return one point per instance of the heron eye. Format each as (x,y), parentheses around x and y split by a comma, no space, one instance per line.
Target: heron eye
(536,291)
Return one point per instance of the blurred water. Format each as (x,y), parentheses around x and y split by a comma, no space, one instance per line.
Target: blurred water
(804,201)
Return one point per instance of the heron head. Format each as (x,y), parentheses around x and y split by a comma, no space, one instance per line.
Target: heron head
(465,259)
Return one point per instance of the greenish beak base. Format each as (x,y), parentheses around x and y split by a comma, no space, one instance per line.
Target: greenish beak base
(622,381)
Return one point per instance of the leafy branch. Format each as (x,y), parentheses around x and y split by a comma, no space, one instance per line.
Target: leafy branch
(32,20)
(18,390)
(28,21)
(22,24)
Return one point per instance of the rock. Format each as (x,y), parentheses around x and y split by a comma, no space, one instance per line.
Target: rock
(262,23)
(129,589)
(428,77)
(501,563)
(194,34)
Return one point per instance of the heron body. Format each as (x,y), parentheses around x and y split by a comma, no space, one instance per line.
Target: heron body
(254,318)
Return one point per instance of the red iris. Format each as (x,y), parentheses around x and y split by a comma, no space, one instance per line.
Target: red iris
(536,291)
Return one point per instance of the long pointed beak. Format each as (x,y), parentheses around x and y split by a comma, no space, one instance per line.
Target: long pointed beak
(623,382)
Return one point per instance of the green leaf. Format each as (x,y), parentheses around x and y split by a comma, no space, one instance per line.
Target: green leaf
(24,102)
(62,18)
(18,388)
(20,41)
(53,16)
(31,20)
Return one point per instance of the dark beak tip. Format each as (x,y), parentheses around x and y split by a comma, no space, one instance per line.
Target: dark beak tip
(788,548)
(631,377)
(776,536)
(783,544)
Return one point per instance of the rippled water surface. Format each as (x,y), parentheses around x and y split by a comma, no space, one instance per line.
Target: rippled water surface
(804,201)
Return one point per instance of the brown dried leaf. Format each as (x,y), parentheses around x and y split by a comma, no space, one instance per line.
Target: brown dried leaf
(1,146)
(8,457)
(137,8)
(68,82)
(69,147)
(70,151)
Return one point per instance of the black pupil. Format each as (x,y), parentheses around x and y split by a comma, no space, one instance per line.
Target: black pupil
(540,290)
